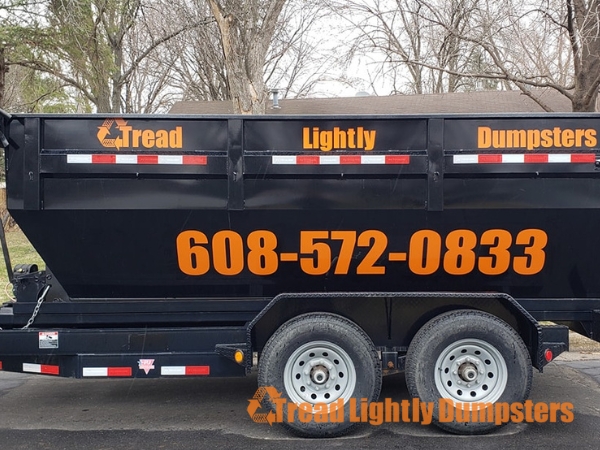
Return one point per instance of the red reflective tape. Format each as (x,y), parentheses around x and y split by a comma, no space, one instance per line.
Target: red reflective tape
(0,365)
(307,160)
(397,159)
(104,159)
(489,159)
(49,370)
(536,158)
(147,159)
(583,158)
(199,160)
(197,370)
(350,159)
(119,372)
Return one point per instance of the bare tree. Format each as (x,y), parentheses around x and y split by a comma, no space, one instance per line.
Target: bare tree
(297,60)
(300,56)
(402,35)
(505,44)
(198,63)
(583,27)
(83,43)
(246,30)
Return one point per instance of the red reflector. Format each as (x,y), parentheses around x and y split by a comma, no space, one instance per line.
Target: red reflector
(536,158)
(350,159)
(104,159)
(307,160)
(147,159)
(119,372)
(490,159)
(49,370)
(200,160)
(583,158)
(397,159)
(548,355)
(0,365)
(197,370)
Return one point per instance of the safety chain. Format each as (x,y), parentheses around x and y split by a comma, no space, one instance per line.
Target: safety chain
(36,310)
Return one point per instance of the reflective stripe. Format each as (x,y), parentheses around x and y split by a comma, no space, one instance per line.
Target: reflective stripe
(108,158)
(529,158)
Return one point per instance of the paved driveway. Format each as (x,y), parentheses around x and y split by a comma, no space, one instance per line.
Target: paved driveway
(55,413)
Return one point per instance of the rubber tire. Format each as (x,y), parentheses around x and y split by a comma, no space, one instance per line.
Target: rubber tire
(332,328)
(440,332)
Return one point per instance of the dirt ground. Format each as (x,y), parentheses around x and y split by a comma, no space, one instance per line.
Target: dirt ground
(579,343)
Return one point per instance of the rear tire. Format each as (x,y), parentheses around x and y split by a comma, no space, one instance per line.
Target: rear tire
(467,356)
(320,358)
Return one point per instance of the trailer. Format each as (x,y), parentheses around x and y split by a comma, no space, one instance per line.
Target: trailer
(323,251)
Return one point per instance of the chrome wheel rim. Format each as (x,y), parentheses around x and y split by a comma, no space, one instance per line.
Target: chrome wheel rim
(319,372)
(471,370)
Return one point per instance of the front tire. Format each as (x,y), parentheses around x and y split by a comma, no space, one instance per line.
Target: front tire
(467,356)
(320,358)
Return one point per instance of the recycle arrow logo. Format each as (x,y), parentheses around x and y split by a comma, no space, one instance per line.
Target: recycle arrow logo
(104,131)
(255,403)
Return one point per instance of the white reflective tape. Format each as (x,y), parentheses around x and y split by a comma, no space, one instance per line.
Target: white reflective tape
(95,371)
(172,370)
(170,159)
(34,368)
(465,159)
(508,158)
(126,159)
(329,159)
(283,159)
(79,159)
(559,158)
(372,159)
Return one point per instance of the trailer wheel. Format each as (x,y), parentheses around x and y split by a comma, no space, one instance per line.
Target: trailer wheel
(324,359)
(467,357)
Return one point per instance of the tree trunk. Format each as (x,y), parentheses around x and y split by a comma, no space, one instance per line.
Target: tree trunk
(3,70)
(246,32)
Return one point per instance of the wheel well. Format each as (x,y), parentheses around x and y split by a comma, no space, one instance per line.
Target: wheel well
(390,319)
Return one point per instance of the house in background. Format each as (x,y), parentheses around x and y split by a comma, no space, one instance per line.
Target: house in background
(464,102)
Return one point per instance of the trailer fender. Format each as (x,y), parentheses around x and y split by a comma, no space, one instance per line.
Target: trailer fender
(403,314)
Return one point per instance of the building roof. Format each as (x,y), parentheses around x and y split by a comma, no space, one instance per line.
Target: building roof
(463,102)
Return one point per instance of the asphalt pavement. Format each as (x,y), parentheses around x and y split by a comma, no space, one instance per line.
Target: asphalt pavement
(44,412)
